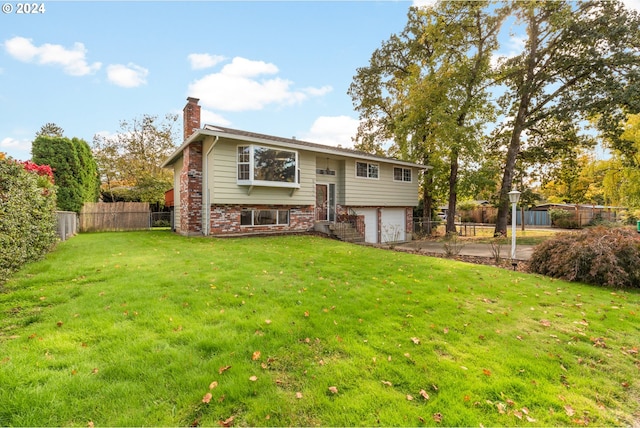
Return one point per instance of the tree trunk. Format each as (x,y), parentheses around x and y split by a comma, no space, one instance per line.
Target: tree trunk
(526,90)
(453,193)
(507,178)
(427,199)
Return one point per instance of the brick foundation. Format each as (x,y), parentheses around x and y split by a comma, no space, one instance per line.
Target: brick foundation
(225,219)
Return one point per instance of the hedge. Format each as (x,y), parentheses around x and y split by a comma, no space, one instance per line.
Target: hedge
(27,214)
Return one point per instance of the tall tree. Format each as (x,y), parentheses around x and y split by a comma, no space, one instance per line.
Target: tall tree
(74,169)
(426,89)
(132,158)
(580,61)
(50,129)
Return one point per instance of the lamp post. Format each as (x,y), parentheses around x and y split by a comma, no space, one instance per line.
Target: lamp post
(514,197)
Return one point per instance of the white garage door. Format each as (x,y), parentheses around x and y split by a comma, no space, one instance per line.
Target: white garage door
(393,225)
(370,224)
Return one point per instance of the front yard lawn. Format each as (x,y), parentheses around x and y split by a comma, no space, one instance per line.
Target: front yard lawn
(150,328)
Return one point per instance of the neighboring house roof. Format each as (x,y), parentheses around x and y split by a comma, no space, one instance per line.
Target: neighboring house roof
(543,207)
(219,131)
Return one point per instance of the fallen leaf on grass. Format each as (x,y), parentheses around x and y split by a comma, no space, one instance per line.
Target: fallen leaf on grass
(486,372)
(569,410)
(517,414)
(298,395)
(387,383)
(545,323)
(424,394)
(437,417)
(227,423)
(253,378)
(415,340)
(333,389)
(207,398)
(223,369)
(256,355)
(409,397)
(213,384)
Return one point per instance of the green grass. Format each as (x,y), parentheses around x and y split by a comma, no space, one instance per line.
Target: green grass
(133,329)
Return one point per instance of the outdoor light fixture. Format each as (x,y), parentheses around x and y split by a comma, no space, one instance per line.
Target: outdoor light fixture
(514,197)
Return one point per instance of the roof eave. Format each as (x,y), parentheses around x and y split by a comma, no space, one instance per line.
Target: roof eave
(198,134)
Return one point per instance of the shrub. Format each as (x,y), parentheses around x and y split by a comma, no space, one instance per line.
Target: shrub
(74,169)
(563,218)
(599,255)
(27,214)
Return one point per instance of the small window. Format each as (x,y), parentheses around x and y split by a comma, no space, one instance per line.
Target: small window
(244,158)
(367,170)
(402,174)
(246,218)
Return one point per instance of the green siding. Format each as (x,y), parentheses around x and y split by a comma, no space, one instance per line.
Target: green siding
(225,190)
(380,192)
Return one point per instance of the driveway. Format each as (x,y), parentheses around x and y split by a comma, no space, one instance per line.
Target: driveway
(523,252)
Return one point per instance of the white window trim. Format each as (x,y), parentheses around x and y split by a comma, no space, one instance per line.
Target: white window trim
(253,212)
(368,164)
(252,182)
(403,170)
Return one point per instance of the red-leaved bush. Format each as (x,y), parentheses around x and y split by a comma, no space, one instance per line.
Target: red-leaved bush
(41,170)
(601,255)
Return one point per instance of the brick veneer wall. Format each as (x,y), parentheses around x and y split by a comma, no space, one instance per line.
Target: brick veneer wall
(226,219)
(409,223)
(191,190)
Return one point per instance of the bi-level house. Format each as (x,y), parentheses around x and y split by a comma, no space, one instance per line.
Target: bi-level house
(228,181)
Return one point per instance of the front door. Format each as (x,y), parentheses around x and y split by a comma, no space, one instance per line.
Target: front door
(322,202)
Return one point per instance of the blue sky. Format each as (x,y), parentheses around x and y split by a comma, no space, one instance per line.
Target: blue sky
(280,68)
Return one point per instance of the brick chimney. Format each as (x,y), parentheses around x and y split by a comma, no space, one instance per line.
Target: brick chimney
(191,117)
(191,174)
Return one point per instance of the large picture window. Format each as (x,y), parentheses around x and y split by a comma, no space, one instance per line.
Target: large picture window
(258,165)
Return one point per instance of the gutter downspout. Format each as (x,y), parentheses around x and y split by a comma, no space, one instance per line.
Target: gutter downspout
(205,180)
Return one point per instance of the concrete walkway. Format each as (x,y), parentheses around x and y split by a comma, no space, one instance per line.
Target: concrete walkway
(523,252)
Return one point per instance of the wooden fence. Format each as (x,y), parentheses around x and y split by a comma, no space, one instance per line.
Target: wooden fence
(114,216)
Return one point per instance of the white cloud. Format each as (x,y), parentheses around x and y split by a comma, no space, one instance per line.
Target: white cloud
(318,92)
(127,76)
(241,86)
(210,118)
(333,131)
(13,143)
(243,67)
(632,4)
(513,46)
(73,61)
(200,61)
(16,148)
(424,3)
